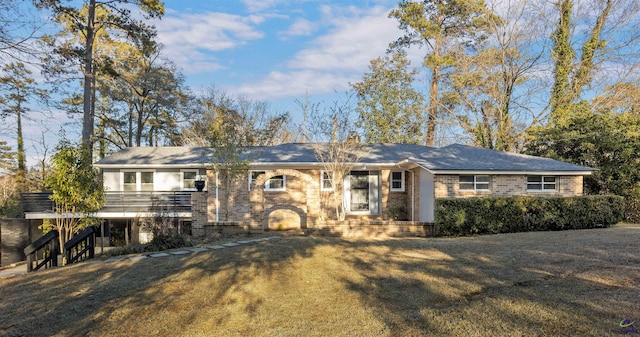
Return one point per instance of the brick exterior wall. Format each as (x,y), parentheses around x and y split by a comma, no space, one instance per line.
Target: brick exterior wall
(301,205)
(304,205)
(394,199)
(199,212)
(373,228)
(447,186)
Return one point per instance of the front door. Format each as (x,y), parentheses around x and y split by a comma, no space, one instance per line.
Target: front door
(362,192)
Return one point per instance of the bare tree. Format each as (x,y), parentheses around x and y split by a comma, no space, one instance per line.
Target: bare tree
(495,88)
(336,145)
(252,120)
(19,29)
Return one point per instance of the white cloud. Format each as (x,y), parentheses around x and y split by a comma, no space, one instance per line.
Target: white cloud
(301,27)
(295,83)
(189,38)
(259,5)
(331,61)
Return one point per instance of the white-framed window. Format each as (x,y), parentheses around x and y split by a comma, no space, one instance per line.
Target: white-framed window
(474,183)
(542,183)
(129,181)
(326,178)
(397,181)
(189,178)
(133,181)
(277,183)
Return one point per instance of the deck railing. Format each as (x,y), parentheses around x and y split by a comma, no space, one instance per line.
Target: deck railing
(120,202)
(147,201)
(37,202)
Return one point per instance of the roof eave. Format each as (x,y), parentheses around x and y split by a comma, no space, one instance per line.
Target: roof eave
(252,164)
(517,172)
(149,166)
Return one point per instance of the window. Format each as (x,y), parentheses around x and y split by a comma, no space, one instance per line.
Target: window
(137,181)
(541,183)
(129,182)
(253,175)
(397,181)
(277,183)
(474,183)
(146,181)
(325,181)
(189,179)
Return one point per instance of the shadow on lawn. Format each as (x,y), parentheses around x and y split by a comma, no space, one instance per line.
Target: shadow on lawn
(549,283)
(546,283)
(89,297)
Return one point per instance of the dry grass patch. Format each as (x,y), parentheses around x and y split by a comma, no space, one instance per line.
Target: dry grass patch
(525,284)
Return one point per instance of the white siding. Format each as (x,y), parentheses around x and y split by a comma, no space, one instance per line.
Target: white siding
(427,199)
(111,180)
(163,179)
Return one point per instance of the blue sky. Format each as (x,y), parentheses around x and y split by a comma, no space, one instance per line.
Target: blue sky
(270,50)
(276,50)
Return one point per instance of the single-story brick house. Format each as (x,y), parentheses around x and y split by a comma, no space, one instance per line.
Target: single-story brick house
(286,185)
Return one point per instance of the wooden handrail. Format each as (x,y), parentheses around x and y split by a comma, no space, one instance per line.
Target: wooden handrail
(82,246)
(47,245)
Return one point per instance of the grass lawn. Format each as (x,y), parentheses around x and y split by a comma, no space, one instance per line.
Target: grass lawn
(570,283)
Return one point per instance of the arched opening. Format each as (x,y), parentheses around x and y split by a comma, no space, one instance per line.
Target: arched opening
(281,218)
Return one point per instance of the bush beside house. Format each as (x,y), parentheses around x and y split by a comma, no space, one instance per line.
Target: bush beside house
(490,215)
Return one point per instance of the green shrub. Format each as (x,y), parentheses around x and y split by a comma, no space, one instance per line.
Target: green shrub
(397,212)
(522,214)
(159,243)
(166,242)
(632,208)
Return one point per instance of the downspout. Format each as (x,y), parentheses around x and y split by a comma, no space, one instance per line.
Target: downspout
(217,200)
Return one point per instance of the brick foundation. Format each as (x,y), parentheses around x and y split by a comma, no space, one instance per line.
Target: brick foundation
(374,228)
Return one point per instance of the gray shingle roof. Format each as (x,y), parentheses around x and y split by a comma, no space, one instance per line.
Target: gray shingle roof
(452,157)
(469,158)
(156,156)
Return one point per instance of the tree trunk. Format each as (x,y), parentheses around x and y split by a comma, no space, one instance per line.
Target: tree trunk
(433,107)
(563,54)
(433,96)
(87,117)
(22,165)
(139,126)
(583,75)
(130,133)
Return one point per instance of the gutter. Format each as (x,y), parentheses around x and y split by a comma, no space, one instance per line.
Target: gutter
(412,162)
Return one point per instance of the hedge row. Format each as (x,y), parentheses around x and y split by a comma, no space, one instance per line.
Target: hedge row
(523,214)
(632,209)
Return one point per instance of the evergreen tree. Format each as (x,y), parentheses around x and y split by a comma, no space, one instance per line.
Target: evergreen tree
(390,109)
(17,88)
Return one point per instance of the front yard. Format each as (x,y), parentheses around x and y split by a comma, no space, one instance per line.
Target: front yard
(580,283)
